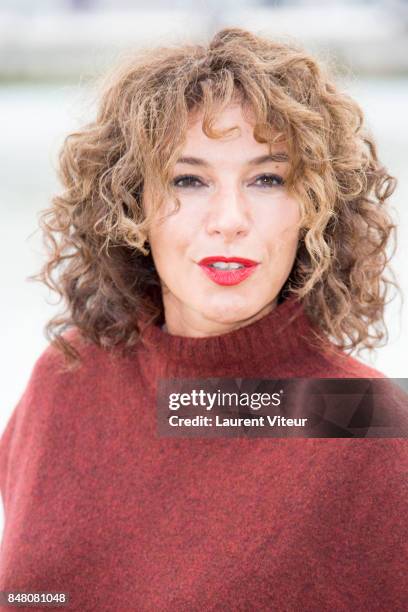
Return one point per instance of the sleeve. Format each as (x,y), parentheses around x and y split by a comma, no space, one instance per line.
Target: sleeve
(362,531)
(381,512)
(26,429)
(5,445)
(11,438)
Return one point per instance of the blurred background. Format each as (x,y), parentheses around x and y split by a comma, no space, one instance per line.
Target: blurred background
(50,51)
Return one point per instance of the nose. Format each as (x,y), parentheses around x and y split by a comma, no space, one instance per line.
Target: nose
(228,214)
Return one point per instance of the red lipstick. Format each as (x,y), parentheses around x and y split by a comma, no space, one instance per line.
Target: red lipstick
(231,276)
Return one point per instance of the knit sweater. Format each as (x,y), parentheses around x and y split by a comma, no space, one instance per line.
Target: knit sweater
(99,506)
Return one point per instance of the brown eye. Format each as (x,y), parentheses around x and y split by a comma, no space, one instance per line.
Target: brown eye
(269,180)
(187,180)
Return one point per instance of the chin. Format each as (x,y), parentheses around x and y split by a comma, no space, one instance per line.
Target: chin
(229,311)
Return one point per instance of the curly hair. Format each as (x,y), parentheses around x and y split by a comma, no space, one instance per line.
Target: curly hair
(95,231)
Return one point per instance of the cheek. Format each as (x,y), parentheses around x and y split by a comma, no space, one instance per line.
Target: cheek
(280,224)
(170,239)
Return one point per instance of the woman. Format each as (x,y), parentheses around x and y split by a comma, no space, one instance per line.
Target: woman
(223,216)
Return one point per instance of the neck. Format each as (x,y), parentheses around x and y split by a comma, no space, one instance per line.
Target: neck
(271,340)
(192,324)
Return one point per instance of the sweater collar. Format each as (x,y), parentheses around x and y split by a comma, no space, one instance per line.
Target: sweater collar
(278,336)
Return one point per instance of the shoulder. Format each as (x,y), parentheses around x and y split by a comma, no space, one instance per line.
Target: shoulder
(55,396)
(355,368)
(332,362)
(53,366)
(383,399)
(53,383)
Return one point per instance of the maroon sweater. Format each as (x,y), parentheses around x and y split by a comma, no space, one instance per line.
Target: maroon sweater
(99,506)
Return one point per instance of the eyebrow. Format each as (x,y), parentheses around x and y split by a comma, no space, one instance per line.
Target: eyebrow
(262,159)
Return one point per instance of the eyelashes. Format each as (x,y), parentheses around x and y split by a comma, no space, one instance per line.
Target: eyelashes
(188,179)
(272,180)
(191,181)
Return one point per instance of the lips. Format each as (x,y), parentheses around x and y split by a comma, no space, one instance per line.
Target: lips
(231,276)
(241,260)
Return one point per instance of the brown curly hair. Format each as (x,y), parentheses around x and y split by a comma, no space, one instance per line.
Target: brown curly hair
(95,230)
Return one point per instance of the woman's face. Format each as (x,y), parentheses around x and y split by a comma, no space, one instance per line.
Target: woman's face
(234,204)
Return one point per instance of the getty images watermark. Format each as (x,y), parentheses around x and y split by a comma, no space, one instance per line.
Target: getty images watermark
(207,401)
(295,407)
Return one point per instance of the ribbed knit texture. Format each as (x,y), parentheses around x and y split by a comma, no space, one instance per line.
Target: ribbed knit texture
(98,505)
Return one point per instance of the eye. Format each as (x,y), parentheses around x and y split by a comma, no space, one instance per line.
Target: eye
(269,180)
(187,180)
